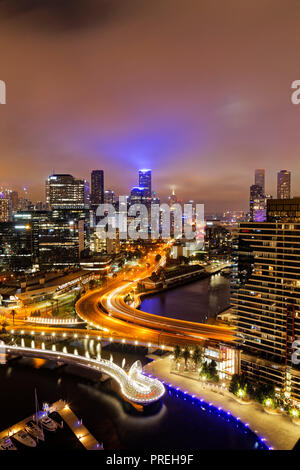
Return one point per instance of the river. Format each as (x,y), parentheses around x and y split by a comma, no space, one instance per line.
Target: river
(196,301)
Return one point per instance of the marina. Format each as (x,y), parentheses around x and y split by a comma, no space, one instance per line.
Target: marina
(28,432)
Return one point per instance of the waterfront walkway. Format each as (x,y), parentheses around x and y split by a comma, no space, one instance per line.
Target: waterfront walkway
(279,431)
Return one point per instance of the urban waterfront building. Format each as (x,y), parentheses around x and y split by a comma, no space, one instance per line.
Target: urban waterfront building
(287,210)
(284,184)
(66,192)
(267,304)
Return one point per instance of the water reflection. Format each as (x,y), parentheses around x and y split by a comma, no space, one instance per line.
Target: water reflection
(197,301)
(182,422)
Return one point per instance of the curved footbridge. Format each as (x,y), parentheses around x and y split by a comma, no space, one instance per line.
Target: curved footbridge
(135,387)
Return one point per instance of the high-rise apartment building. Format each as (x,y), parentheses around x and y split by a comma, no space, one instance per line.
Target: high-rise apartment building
(5,209)
(284,210)
(66,192)
(260,178)
(267,305)
(97,188)
(284,184)
(257,204)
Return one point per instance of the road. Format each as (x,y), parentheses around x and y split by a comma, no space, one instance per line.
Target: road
(106,308)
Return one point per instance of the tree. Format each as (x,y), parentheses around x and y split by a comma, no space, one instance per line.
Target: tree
(177,353)
(264,392)
(239,383)
(212,370)
(186,355)
(197,356)
(204,370)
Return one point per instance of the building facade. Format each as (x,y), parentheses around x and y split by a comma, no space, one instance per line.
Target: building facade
(66,192)
(267,304)
(284,184)
(97,188)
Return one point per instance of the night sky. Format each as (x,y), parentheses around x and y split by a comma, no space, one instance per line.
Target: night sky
(197,90)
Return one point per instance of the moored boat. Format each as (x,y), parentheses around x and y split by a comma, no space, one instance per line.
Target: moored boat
(6,444)
(23,437)
(48,423)
(35,430)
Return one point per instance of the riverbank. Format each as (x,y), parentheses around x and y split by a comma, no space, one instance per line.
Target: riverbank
(259,421)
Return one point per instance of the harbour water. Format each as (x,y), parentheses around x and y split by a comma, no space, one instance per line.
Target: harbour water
(181,423)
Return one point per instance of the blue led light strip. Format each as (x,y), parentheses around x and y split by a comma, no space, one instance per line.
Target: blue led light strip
(218,410)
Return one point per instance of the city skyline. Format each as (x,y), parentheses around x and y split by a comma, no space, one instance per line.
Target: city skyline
(23,192)
(176,93)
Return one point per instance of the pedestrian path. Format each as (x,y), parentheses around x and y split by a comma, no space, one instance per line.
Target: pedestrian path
(280,432)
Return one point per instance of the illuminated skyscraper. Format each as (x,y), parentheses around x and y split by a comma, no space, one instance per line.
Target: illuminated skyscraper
(97,188)
(109,196)
(257,204)
(284,184)
(267,304)
(5,210)
(145,182)
(67,192)
(260,178)
(137,195)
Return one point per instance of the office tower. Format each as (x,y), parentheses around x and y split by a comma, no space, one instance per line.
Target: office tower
(14,200)
(43,241)
(145,182)
(173,198)
(66,192)
(260,178)
(267,305)
(284,184)
(257,204)
(109,196)
(97,188)
(41,206)
(137,195)
(5,209)
(24,204)
(285,210)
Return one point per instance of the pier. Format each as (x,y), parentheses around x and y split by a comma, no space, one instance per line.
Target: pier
(75,424)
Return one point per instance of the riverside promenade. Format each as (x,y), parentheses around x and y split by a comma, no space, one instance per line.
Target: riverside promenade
(279,431)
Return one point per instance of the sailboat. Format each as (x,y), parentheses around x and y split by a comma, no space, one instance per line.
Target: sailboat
(35,430)
(32,427)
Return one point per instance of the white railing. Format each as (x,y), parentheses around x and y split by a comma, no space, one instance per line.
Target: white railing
(135,386)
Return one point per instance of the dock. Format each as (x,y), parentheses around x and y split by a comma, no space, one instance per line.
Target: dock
(74,423)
